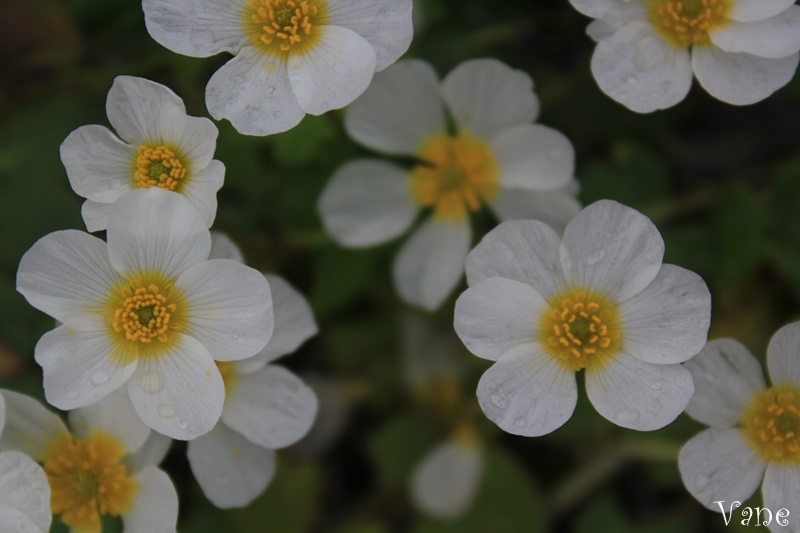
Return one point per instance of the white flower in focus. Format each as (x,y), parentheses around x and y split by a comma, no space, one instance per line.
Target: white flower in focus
(496,158)
(266,406)
(741,51)
(159,145)
(147,310)
(292,57)
(599,299)
(96,469)
(754,436)
(24,494)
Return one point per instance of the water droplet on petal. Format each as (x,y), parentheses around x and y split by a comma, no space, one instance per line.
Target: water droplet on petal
(270,92)
(632,79)
(655,385)
(567,264)
(165,410)
(627,416)
(235,334)
(183,425)
(99,377)
(520,421)
(595,256)
(499,401)
(72,395)
(700,481)
(151,382)
(115,184)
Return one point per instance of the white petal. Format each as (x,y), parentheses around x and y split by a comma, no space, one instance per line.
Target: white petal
(30,427)
(14,520)
(197,28)
(611,249)
(594,8)
(783,355)
(115,416)
(399,110)
(750,10)
(640,70)
(333,72)
(527,392)
(66,273)
(155,230)
(431,262)
(638,395)
(445,482)
(522,250)
(253,91)
(151,453)
(718,465)
(201,190)
(230,308)
(95,215)
(223,247)
(741,79)
(294,321)
(555,207)
(367,202)
(497,315)
(775,37)
(155,504)
(2,413)
(24,487)
(197,142)
(487,96)
(82,363)
(726,375)
(385,24)
(272,407)
(601,29)
(98,164)
(179,393)
(532,156)
(231,470)
(780,490)
(143,111)
(668,321)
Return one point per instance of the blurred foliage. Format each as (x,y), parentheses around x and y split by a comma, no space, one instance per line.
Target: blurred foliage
(721,183)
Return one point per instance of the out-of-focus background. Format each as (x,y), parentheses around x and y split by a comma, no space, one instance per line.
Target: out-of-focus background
(721,183)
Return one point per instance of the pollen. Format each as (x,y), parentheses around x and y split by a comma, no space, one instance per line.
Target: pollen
(684,23)
(283,25)
(228,372)
(581,329)
(771,424)
(87,479)
(458,175)
(159,167)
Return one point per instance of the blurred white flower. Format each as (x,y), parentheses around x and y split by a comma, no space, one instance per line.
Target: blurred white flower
(266,406)
(741,51)
(146,310)
(496,158)
(24,494)
(600,299)
(160,146)
(292,57)
(755,429)
(95,469)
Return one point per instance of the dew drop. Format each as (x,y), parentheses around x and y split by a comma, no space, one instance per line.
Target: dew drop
(99,377)
(655,385)
(499,401)
(115,184)
(520,421)
(270,92)
(595,256)
(151,382)
(165,410)
(235,335)
(632,80)
(627,416)
(701,481)
(183,425)
(567,264)
(72,395)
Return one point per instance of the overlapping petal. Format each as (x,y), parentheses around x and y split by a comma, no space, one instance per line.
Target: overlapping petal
(30,428)
(775,37)
(155,504)
(554,207)
(534,157)
(114,415)
(783,355)
(25,495)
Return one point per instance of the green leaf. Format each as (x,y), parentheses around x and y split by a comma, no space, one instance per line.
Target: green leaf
(301,143)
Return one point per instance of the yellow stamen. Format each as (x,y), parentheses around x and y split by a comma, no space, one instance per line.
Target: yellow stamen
(159,167)
(281,26)
(581,329)
(688,22)
(771,424)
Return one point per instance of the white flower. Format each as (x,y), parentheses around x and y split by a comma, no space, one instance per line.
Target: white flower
(24,494)
(147,310)
(160,146)
(94,470)
(495,158)
(543,308)
(755,429)
(266,406)
(292,57)
(741,51)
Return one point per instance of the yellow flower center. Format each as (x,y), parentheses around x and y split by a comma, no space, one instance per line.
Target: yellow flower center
(283,25)
(581,329)
(144,312)
(159,167)
(228,372)
(87,479)
(688,22)
(771,424)
(459,175)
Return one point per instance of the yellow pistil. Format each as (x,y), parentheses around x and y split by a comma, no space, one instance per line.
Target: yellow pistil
(159,167)
(277,26)
(87,479)
(581,329)
(228,372)
(459,175)
(688,22)
(145,312)
(771,424)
